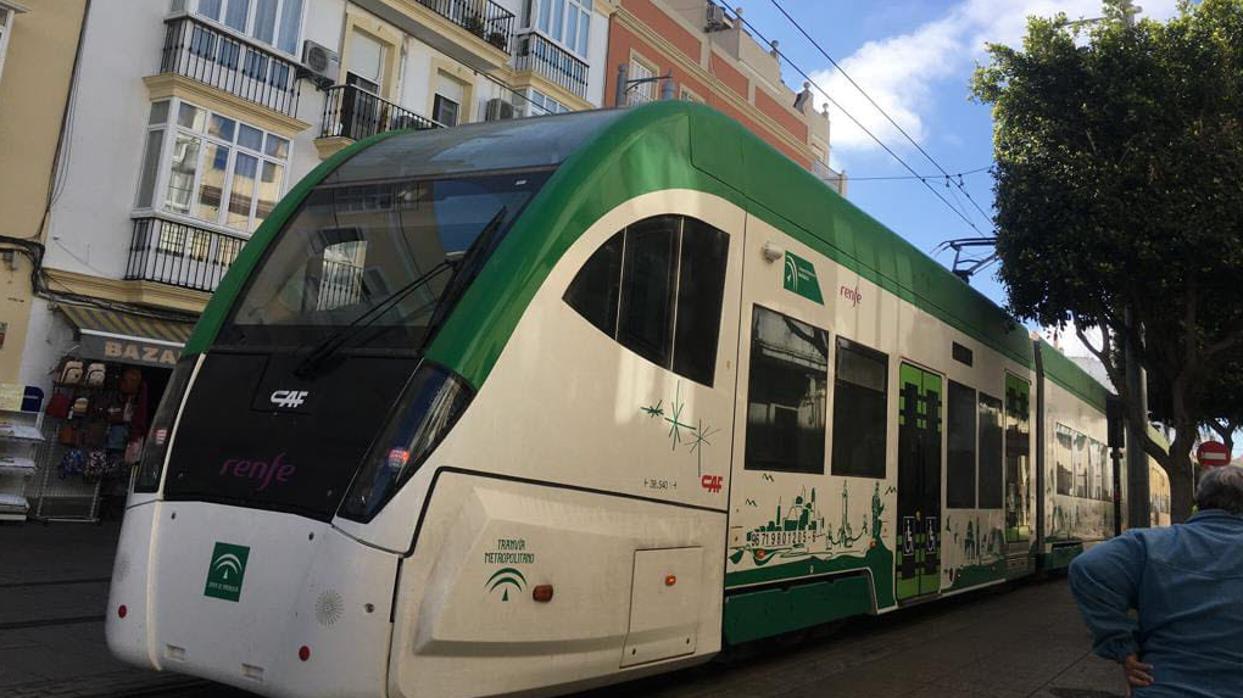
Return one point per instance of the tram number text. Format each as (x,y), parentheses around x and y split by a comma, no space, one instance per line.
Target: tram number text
(660,484)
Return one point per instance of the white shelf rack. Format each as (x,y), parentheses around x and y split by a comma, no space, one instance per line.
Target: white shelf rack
(21,436)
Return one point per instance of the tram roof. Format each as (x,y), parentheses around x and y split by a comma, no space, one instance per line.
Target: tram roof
(513,144)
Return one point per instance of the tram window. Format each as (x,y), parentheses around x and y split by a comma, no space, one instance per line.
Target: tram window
(990,453)
(859,410)
(1063,457)
(1081,467)
(657,288)
(960,484)
(786,394)
(650,268)
(594,291)
(1017,450)
(701,288)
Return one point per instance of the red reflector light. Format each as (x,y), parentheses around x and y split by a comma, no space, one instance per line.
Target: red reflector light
(121,611)
(304,653)
(670,580)
(542,593)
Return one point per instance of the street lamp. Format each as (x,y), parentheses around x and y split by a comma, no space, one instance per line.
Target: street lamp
(624,86)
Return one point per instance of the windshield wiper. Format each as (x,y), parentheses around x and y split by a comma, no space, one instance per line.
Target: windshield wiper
(329,345)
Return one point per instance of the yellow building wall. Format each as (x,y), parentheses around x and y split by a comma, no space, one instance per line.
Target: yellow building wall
(33,89)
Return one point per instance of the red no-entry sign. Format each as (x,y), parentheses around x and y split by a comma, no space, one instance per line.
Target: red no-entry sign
(1212,453)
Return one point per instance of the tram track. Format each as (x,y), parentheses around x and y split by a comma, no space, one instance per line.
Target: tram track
(42,603)
(54,582)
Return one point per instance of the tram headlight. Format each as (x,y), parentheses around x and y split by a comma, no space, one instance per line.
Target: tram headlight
(427,409)
(151,463)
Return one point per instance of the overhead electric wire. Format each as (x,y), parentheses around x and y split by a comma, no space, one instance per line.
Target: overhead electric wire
(739,18)
(878,107)
(931,177)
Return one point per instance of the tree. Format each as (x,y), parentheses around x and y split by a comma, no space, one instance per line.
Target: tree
(1119,194)
(1222,408)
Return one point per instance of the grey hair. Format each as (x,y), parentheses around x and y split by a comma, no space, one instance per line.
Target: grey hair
(1221,488)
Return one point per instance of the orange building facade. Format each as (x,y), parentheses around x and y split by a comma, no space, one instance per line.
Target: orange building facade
(710,59)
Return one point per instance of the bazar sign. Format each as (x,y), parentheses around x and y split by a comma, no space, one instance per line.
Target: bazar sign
(134,351)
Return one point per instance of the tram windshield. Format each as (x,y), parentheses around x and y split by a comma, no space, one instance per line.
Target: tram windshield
(373,256)
(385,219)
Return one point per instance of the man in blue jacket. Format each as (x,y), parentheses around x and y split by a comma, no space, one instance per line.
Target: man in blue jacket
(1185,583)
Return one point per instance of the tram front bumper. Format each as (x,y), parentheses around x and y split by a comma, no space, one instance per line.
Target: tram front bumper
(273,603)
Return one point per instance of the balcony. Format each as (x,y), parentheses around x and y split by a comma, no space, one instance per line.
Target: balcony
(350,112)
(831,177)
(198,50)
(539,55)
(179,254)
(483,18)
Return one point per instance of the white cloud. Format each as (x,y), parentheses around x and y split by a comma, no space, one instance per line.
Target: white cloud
(906,73)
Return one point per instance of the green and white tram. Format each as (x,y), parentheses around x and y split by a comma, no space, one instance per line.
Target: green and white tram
(538,405)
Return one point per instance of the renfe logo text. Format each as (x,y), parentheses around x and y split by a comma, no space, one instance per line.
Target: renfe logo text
(259,471)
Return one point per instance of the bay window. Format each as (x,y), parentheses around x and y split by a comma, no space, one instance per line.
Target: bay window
(274,22)
(210,167)
(567,22)
(541,104)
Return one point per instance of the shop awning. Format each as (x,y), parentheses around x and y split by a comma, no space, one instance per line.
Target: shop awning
(111,335)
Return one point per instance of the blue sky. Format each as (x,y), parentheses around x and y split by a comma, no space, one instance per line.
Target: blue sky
(915,58)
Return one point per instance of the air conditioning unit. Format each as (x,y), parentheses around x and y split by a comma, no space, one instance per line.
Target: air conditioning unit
(498,109)
(717,19)
(319,63)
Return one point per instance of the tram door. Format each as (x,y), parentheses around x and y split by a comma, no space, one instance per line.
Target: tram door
(919,483)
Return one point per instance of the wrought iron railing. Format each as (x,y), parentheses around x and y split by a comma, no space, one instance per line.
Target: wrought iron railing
(483,18)
(355,113)
(210,55)
(538,54)
(180,254)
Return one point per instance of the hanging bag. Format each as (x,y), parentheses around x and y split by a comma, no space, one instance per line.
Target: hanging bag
(71,463)
(58,407)
(70,372)
(117,434)
(96,373)
(81,406)
(96,465)
(68,434)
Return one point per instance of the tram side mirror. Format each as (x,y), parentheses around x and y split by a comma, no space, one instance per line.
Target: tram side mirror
(1115,421)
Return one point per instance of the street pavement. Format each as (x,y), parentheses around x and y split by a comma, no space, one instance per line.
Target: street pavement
(1020,640)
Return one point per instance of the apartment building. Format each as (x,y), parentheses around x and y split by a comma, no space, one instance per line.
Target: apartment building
(36,60)
(695,49)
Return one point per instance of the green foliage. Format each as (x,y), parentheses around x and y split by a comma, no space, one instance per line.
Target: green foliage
(1120,185)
